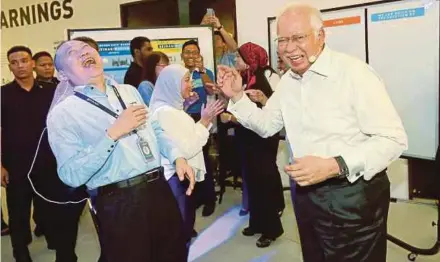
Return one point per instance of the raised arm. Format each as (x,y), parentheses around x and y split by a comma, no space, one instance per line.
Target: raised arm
(265,122)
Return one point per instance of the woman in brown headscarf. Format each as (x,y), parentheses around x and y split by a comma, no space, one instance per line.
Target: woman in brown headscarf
(259,154)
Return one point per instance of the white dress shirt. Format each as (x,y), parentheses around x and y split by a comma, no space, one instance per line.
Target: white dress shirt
(188,137)
(340,106)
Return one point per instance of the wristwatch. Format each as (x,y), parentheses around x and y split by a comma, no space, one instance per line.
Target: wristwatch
(343,169)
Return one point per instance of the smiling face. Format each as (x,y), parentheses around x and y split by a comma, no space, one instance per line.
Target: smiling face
(186,85)
(79,62)
(299,41)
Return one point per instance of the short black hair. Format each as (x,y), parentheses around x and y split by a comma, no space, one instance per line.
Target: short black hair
(190,42)
(90,41)
(137,43)
(41,54)
(19,48)
(219,34)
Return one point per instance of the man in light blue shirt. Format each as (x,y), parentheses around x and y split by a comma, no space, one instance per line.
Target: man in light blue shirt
(101,137)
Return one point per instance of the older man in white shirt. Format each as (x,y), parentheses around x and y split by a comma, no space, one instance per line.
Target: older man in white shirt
(343,131)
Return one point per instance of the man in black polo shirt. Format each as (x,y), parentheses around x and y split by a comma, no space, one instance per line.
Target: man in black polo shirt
(44,68)
(25,103)
(140,47)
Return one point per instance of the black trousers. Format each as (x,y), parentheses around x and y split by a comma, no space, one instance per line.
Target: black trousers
(141,223)
(204,192)
(61,228)
(343,222)
(60,223)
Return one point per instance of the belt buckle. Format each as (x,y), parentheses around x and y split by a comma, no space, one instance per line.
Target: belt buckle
(153,175)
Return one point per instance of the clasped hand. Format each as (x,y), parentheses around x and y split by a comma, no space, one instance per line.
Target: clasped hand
(130,119)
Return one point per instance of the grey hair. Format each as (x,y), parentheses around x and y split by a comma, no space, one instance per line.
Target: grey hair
(315,15)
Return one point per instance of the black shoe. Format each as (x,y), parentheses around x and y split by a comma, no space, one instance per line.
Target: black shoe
(22,256)
(248,231)
(38,231)
(264,241)
(194,233)
(208,209)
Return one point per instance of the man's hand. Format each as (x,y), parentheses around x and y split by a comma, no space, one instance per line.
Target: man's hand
(198,62)
(257,96)
(214,21)
(5,177)
(130,119)
(310,170)
(230,82)
(184,170)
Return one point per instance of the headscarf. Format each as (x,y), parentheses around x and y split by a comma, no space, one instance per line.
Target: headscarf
(257,59)
(167,90)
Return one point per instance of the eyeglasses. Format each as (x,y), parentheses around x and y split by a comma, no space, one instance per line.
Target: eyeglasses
(191,53)
(296,39)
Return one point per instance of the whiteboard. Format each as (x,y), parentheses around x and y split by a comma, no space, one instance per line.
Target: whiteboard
(346,26)
(402,45)
(403,41)
(114,45)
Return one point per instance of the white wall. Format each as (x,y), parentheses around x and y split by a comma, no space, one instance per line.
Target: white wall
(45,35)
(252,27)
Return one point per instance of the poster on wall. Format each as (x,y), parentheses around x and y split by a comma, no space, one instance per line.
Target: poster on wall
(117,57)
(114,45)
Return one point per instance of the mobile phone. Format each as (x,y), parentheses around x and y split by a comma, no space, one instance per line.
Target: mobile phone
(210,11)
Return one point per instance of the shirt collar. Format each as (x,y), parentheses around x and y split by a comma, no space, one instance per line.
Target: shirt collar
(322,65)
(90,90)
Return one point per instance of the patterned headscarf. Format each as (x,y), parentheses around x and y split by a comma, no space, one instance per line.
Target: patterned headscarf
(256,58)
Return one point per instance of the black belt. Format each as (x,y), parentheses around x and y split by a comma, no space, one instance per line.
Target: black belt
(146,177)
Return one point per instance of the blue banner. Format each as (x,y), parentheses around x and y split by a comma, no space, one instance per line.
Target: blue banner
(398,14)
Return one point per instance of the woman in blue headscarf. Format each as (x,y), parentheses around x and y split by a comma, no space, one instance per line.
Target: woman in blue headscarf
(173,87)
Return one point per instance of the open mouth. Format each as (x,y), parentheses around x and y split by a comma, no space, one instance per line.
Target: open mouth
(89,61)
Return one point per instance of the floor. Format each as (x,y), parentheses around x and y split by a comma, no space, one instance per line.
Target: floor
(220,238)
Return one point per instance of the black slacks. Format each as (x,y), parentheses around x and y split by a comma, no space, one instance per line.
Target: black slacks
(343,222)
(60,222)
(141,223)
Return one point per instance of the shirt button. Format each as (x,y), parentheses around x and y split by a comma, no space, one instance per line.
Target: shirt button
(112,146)
(109,151)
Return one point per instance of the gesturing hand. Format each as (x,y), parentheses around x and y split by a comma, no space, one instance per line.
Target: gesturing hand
(310,170)
(184,170)
(130,119)
(257,96)
(230,82)
(210,111)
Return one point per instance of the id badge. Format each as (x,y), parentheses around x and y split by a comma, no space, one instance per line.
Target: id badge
(145,149)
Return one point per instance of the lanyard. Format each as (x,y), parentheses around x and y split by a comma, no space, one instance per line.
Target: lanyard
(99,105)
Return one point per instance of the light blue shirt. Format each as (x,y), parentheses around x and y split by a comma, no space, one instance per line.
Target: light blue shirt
(145,89)
(227,59)
(84,152)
